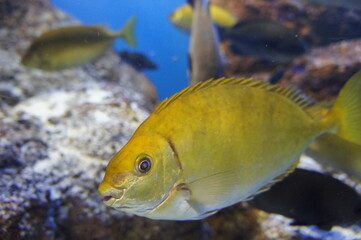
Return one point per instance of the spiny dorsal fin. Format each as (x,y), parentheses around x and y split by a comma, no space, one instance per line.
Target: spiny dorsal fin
(293,94)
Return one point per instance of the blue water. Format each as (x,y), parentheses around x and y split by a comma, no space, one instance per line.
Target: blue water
(156,37)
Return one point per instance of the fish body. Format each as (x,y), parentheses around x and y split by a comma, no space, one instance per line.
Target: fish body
(218,143)
(205,57)
(264,39)
(73,46)
(312,198)
(182,17)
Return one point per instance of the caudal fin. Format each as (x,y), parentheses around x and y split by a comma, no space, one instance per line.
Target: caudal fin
(127,33)
(347,109)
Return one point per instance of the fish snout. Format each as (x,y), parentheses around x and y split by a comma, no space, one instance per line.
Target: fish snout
(110,193)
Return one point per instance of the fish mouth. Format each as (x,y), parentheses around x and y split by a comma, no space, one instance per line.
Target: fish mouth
(113,196)
(109,200)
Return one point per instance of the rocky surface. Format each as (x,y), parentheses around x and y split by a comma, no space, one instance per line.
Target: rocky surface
(324,70)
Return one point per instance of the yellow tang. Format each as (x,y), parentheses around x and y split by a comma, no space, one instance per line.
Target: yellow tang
(182,17)
(73,46)
(218,143)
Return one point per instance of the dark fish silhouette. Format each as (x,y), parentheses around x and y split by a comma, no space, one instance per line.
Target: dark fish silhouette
(312,198)
(264,39)
(137,60)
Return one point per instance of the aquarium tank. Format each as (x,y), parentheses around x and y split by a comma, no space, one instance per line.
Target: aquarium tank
(199,119)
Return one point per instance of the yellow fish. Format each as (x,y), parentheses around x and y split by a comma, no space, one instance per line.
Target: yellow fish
(218,143)
(73,46)
(182,17)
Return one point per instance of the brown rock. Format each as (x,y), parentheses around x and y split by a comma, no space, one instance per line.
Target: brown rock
(324,70)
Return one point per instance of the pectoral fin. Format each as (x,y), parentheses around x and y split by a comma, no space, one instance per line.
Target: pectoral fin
(212,190)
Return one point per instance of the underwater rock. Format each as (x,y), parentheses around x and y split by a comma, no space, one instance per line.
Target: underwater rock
(323,71)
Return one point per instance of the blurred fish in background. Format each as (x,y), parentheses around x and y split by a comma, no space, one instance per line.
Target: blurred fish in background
(206,60)
(138,60)
(264,39)
(74,46)
(312,198)
(182,17)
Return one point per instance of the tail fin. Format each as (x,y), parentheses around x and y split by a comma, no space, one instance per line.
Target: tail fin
(127,33)
(347,109)
(331,149)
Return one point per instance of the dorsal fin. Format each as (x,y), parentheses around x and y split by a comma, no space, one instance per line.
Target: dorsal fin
(293,94)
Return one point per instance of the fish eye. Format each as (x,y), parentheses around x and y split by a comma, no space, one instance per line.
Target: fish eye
(144,165)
